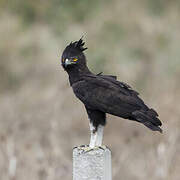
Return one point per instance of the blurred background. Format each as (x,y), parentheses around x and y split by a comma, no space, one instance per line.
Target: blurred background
(40,118)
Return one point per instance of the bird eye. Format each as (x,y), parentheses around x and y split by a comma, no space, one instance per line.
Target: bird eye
(75,59)
(62,59)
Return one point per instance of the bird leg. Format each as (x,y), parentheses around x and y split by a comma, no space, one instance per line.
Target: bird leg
(99,135)
(96,136)
(93,136)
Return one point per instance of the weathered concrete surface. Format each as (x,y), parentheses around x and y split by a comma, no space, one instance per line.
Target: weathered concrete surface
(91,164)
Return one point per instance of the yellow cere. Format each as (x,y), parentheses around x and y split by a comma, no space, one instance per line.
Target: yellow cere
(63,60)
(75,59)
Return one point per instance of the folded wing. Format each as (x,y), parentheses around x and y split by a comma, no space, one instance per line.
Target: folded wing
(106,94)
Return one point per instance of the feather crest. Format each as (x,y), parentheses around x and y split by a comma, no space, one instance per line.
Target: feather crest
(79,45)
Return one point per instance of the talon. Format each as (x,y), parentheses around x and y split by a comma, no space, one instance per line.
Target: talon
(85,148)
(103,147)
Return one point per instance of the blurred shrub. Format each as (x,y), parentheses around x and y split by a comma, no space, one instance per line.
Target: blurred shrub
(60,13)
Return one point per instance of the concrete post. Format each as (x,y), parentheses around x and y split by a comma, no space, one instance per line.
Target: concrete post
(93,164)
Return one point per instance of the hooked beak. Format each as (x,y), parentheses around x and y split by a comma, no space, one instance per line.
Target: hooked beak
(68,62)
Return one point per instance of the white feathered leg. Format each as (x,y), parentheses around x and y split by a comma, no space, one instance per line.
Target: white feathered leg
(99,135)
(96,136)
(93,136)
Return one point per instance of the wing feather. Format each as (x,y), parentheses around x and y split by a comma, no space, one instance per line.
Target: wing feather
(107,96)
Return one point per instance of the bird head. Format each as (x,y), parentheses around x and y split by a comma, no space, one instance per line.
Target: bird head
(73,55)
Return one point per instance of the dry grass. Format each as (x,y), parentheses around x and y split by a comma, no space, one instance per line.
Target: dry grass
(40,118)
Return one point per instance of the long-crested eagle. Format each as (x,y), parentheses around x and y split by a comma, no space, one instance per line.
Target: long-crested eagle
(103,94)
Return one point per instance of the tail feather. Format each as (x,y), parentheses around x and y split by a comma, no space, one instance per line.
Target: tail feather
(152,112)
(152,127)
(148,118)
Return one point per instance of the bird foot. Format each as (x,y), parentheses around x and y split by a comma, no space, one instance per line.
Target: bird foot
(103,147)
(87,148)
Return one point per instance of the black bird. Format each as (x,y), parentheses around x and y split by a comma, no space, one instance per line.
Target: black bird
(103,94)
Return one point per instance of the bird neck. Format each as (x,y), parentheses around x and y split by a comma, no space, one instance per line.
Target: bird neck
(76,73)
